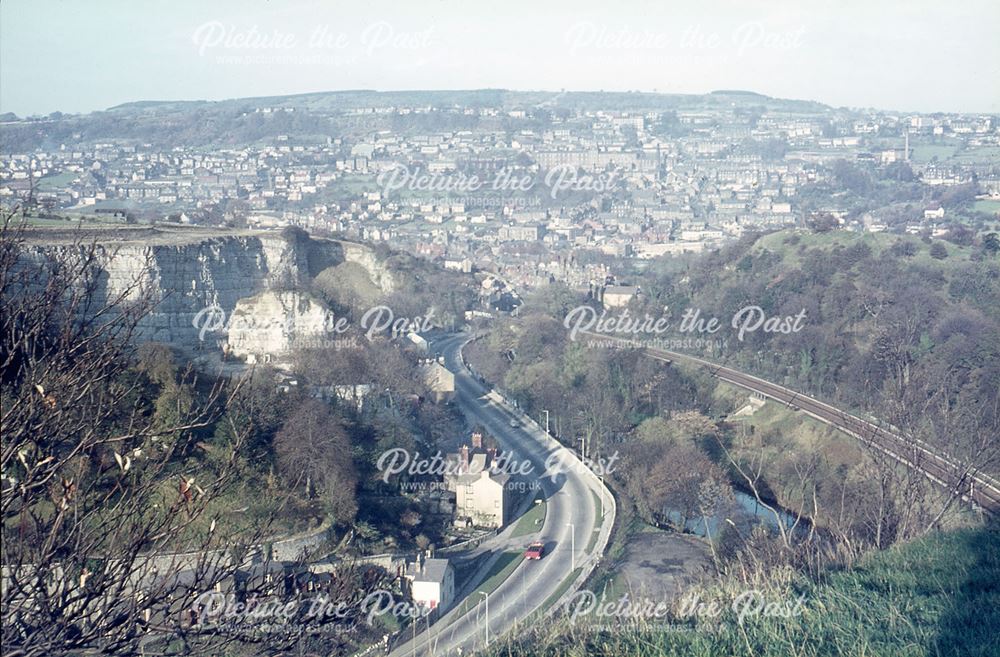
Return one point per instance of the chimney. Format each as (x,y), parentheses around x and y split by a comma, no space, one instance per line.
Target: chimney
(477,440)
(465,458)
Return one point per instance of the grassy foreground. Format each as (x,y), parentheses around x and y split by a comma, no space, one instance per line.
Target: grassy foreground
(937,596)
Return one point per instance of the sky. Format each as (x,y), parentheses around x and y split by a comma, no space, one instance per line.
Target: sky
(85,55)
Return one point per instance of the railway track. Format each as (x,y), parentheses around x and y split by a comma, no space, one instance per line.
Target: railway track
(978,488)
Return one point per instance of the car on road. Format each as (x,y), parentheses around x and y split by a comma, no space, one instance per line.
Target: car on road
(535,551)
(513,423)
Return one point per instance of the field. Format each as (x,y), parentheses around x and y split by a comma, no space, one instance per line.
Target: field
(988,206)
(57,181)
(983,154)
(922,153)
(792,254)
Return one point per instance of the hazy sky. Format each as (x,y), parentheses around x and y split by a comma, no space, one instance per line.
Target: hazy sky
(916,55)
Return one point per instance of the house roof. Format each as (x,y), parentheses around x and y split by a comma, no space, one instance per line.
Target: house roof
(433,570)
(439,378)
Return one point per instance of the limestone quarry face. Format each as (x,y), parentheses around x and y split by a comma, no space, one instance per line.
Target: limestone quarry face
(197,278)
(364,256)
(273,324)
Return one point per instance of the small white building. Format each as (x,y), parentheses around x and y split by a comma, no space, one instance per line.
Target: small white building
(432,583)
(440,380)
(419,341)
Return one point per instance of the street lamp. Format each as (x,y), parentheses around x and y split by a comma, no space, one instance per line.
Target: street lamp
(431,640)
(604,506)
(487,617)
(572,553)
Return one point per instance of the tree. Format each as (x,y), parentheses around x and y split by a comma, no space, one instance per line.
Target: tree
(823,222)
(991,243)
(904,248)
(313,449)
(938,251)
(105,540)
(156,361)
(853,178)
(899,171)
(676,481)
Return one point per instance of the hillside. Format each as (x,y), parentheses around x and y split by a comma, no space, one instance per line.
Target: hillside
(903,329)
(936,596)
(314,116)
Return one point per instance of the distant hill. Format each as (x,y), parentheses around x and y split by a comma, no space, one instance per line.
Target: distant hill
(237,121)
(142,105)
(736,92)
(503,98)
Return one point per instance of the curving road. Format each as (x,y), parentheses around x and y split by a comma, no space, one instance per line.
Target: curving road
(571,520)
(974,486)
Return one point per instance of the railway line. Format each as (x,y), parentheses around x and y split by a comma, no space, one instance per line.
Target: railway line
(978,488)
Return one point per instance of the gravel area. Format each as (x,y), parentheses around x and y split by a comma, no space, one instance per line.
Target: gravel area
(662,565)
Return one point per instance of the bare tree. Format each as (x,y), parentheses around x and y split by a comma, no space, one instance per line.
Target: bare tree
(314,450)
(109,527)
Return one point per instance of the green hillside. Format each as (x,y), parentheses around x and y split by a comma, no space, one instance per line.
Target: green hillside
(936,596)
(890,321)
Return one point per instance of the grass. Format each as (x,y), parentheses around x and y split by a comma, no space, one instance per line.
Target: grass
(780,434)
(70,219)
(793,255)
(552,599)
(928,152)
(986,205)
(594,535)
(627,524)
(56,181)
(500,571)
(531,521)
(937,596)
(985,154)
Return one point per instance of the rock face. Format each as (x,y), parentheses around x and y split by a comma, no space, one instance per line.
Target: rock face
(364,256)
(272,324)
(197,278)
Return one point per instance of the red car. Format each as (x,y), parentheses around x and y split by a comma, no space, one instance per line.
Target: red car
(535,550)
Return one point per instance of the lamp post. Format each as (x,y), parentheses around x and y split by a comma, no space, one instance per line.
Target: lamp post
(484,593)
(430,639)
(572,553)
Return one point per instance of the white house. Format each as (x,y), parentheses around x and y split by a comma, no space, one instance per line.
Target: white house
(440,380)
(482,499)
(432,582)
